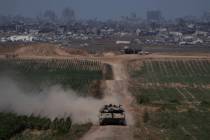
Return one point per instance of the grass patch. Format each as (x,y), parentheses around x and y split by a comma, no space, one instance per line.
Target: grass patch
(182,125)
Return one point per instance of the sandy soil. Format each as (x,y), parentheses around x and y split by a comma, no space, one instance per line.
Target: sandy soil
(109,133)
(47,50)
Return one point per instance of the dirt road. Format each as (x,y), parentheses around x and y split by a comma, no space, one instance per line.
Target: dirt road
(117,93)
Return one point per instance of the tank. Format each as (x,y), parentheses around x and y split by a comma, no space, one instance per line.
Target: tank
(129,50)
(112,115)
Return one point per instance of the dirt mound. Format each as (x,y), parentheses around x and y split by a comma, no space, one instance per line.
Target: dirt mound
(109,54)
(47,50)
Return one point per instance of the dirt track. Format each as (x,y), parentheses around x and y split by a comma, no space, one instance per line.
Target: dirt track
(116,89)
(109,133)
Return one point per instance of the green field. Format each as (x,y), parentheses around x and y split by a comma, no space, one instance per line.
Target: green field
(174,71)
(33,76)
(178,92)
(189,125)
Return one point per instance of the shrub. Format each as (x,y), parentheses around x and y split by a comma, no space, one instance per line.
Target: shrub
(11,124)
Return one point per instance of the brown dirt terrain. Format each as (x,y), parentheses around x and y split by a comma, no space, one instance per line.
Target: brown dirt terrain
(40,49)
(47,50)
(116,90)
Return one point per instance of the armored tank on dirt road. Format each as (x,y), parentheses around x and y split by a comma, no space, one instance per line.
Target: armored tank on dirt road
(112,115)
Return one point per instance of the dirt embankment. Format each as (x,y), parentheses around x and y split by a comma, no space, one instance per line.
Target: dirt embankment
(47,50)
(40,49)
(116,92)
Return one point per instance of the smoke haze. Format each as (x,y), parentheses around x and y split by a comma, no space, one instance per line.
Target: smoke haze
(104,9)
(51,102)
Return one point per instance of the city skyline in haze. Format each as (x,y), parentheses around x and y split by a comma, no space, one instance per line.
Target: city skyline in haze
(105,9)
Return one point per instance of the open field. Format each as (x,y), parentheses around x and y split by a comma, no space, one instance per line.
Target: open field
(33,76)
(173,98)
(170,92)
(190,71)
(76,74)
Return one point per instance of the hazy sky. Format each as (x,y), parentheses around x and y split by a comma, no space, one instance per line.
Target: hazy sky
(104,9)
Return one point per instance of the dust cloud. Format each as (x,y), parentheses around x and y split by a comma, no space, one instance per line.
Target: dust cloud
(52,102)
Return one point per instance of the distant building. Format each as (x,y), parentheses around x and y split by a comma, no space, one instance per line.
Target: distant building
(23,38)
(201,34)
(119,42)
(154,16)
(138,32)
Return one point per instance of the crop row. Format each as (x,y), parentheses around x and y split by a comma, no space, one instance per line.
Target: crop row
(69,64)
(175,71)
